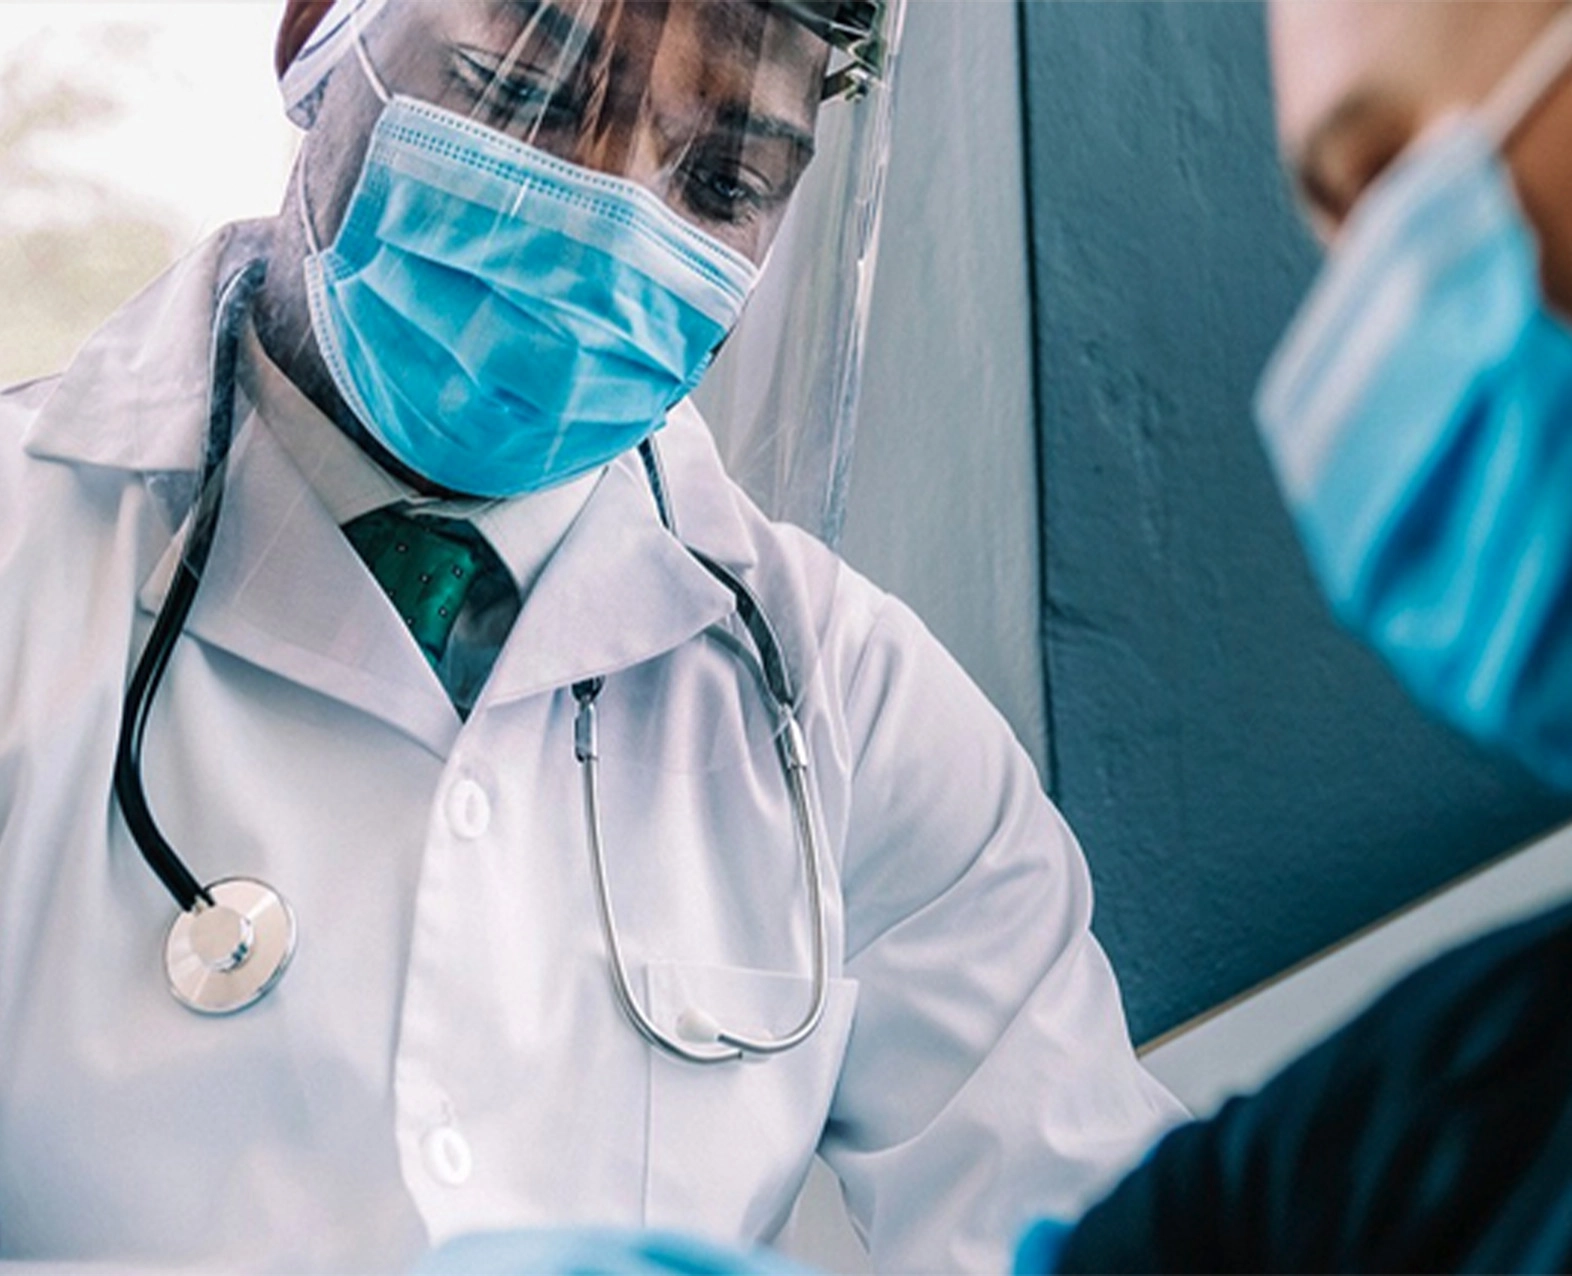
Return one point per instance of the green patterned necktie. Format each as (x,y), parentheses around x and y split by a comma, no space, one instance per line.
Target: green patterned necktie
(426,566)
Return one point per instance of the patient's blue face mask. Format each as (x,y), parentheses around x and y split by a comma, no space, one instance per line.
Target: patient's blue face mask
(1419,416)
(502,320)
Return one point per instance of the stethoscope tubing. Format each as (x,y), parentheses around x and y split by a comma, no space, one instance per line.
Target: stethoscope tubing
(771,670)
(161,857)
(727,1046)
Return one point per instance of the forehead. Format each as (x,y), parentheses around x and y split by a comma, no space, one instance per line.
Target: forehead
(1415,57)
(1327,52)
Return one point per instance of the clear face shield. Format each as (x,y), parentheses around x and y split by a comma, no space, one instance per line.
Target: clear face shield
(757,128)
(638,161)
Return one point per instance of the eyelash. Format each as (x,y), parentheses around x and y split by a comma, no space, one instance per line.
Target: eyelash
(737,205)
(508,97)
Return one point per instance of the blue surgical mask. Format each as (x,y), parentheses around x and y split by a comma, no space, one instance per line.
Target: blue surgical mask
(1419,416)
(501,320)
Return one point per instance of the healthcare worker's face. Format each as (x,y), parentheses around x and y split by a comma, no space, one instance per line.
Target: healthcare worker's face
(710,104)
(1357,81)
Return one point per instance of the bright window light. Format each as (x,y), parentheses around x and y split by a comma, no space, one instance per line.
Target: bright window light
(128,132)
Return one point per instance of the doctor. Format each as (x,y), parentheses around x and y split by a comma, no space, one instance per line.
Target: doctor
(501,759)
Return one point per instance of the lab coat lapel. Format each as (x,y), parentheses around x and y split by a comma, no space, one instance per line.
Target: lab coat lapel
(619,590)
(284,591)
(707,508)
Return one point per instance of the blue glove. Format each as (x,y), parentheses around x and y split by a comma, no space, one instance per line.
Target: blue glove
(1039,1250)
(591,1251)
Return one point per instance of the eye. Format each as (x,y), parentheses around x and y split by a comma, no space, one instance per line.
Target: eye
(1348,154)
(724,192)
(522,100)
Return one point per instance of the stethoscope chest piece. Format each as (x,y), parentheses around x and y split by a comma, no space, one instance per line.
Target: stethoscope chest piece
(223,957)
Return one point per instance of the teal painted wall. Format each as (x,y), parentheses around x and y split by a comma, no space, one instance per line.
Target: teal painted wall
(1249,784)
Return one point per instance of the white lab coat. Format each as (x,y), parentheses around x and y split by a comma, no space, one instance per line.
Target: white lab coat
(445,1054)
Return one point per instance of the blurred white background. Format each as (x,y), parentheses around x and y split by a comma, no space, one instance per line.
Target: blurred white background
(128,130)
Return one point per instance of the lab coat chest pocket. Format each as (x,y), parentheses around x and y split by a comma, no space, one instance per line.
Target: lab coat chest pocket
(729,1143)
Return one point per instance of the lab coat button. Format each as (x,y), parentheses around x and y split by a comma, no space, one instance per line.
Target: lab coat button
(469,809)
(448,1156)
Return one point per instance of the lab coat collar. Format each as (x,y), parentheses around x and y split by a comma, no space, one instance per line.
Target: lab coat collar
(620,589)
(284,590)
(142,371)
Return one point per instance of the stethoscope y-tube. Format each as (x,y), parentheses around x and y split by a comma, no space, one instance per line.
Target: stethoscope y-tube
(700,1039)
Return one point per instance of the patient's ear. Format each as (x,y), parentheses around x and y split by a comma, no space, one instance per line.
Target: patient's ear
(299,21)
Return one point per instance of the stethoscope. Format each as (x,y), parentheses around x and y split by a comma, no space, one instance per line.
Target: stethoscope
(234,938)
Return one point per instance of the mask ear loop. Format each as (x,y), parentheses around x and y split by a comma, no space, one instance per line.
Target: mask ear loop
(373,77)
(380,88)
(1526,87)
(303,207)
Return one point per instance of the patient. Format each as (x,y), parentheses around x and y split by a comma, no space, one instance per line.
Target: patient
(1420,417)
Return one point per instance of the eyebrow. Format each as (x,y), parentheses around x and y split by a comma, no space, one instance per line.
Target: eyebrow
(565,29)
(769,128)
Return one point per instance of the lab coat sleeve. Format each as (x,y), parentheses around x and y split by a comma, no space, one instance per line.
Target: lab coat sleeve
(989,1078)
